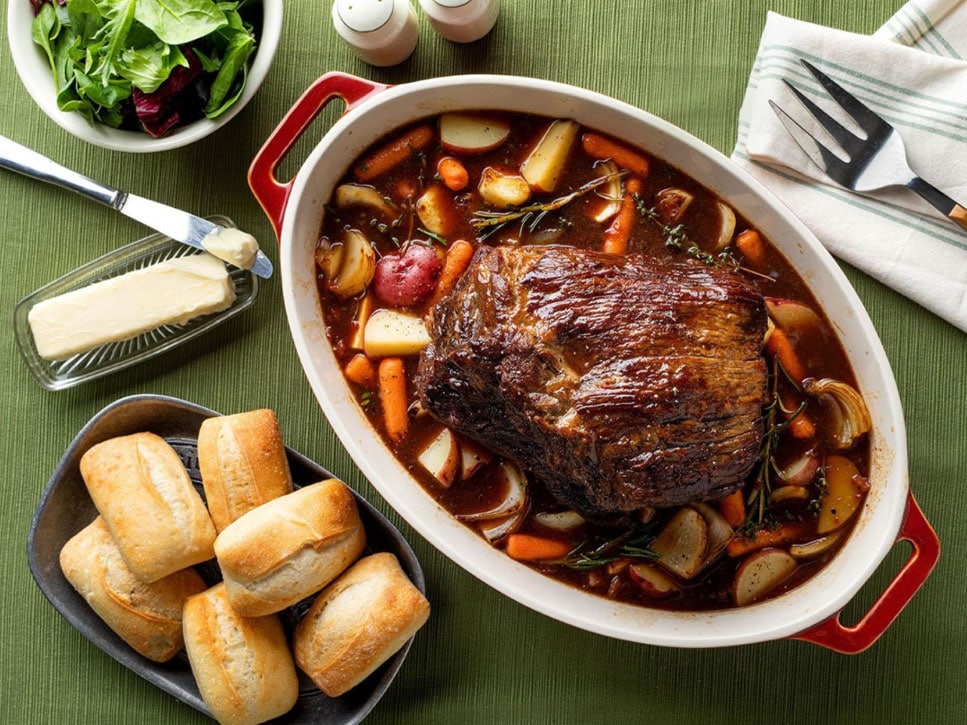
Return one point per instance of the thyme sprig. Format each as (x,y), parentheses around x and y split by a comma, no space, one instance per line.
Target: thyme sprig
(761,487)
(630,544)
(532,215)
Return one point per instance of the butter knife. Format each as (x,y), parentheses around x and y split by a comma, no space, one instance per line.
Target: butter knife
(179,225)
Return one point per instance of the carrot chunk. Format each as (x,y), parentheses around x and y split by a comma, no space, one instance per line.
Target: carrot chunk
(732,508)
(527,547)
(393,154)
(602,147)
(750,244)
(360,370)
(780,346)
(453,173)
(617,235)
(457,260)
(788,533)
(392,397)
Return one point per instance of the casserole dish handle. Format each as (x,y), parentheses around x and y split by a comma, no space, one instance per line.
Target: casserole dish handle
(833,635)
(271,193)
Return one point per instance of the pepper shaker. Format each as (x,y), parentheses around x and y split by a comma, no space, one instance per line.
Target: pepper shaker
(380,32)
(462,21)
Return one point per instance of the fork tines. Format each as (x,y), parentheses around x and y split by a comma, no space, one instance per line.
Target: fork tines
(876,128)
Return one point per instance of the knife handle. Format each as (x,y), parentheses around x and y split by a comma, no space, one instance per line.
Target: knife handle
(25,161)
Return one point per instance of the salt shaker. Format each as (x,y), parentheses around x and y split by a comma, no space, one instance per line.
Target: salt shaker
(461,21)
(380,32)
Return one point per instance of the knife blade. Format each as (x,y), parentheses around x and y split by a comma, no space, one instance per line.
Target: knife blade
(175,223)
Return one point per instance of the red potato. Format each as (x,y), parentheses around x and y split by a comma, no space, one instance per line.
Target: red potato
(653,581)
(760,573)
(407,279)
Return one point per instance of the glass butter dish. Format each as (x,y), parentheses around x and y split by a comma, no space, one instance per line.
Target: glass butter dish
(113,356)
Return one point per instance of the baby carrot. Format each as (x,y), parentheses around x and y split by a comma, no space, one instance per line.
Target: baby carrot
(457,260)
(393,154)
(732,508)
(801,427)
(750,244)
(781,348)
(392,397)
(602,147)
(527,547)
(787,533)
(454,174)
(617,235)
(360,370)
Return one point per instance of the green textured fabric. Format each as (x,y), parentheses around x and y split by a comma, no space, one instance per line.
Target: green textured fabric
(482,657)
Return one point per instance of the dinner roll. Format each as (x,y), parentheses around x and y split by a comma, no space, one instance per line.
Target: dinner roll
(141,488)
(242,665)
(289,548)
(357,623)
(146,616)
(242,462)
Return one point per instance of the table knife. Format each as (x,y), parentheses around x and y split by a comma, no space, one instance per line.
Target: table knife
(175,223)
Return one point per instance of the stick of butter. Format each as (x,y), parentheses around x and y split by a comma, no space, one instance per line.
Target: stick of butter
(167,293)
(233,245)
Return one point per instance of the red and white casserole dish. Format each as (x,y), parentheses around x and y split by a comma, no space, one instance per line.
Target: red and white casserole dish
(810,611)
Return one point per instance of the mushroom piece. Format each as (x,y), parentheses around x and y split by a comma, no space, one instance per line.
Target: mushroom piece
(851,419)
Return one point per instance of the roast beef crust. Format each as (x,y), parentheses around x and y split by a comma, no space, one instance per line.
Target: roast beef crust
(617,381)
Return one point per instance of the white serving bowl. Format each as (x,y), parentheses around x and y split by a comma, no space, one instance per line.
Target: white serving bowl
(35,73)
(810,611)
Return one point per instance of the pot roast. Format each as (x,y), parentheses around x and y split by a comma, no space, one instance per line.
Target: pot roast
(616,381)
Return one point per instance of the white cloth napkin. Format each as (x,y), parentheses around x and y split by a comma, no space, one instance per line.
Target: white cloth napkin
(913,73)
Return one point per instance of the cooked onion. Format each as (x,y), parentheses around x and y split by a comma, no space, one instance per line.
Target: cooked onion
(850,417)
(514,502)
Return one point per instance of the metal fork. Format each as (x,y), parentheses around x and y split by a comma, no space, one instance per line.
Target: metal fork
(875,162)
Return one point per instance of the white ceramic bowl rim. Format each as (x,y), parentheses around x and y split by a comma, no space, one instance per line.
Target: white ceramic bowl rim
(813,602)
(35,74)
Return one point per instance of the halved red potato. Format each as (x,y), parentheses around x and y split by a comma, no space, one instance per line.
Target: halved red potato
(441,457)
(760,573)
(682,544)
(472,134)
(653,581)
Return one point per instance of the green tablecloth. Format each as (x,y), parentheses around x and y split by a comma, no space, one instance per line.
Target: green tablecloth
(482,657)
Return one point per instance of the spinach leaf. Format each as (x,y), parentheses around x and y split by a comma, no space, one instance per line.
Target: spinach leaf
(44,30)
(230,79)
(180,21)
(147,68)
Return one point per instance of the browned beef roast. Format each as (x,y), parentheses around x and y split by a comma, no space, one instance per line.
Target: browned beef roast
(617,381)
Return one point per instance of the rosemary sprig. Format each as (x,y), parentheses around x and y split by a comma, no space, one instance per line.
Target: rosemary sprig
(632,543)
(433,237)
(533,214)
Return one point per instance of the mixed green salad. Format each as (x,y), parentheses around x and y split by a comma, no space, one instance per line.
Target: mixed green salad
(149,65)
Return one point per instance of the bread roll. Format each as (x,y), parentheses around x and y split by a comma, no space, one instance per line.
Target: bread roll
(243,463)
(289,548)
(146,616)
(357,623)
(141,488)
(242,665)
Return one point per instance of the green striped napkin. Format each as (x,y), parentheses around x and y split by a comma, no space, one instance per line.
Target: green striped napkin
(913,73)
